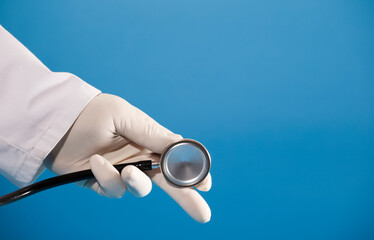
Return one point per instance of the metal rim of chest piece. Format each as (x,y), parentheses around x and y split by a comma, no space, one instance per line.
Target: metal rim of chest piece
(185,163)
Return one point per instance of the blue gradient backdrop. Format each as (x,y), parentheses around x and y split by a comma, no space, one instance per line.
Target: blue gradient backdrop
(280,92)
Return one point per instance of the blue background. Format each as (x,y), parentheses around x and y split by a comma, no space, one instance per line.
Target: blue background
(280,92)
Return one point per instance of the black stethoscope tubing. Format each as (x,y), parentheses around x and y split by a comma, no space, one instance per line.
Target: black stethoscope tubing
(64,179)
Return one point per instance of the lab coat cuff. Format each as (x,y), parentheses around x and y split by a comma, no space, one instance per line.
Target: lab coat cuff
(31,162)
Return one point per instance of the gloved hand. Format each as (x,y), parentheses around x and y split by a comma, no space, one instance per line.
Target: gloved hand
(111,131)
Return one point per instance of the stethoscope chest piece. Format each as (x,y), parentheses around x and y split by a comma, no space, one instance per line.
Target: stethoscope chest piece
(185,163)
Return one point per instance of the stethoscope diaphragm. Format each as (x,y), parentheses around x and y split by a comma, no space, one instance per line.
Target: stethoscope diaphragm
(185,163)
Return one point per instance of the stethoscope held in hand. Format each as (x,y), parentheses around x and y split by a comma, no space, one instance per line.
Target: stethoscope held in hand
(185,163)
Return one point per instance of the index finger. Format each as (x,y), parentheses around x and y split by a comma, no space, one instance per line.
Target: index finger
(134,124)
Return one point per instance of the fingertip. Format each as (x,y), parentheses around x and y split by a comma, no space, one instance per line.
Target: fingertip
(127,172)
(205,217)
(189,199)
(206,184)
(137,182)
(200,210)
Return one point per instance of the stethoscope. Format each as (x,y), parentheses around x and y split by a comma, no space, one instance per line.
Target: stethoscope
(184,163)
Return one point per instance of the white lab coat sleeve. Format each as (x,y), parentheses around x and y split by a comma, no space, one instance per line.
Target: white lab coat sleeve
(37,108)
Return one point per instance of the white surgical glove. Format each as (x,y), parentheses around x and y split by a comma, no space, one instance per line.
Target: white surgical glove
(111,131)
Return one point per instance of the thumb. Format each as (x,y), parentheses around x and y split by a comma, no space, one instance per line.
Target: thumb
(138,127)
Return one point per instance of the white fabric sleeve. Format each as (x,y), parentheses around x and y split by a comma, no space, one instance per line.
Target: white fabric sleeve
(37,108)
